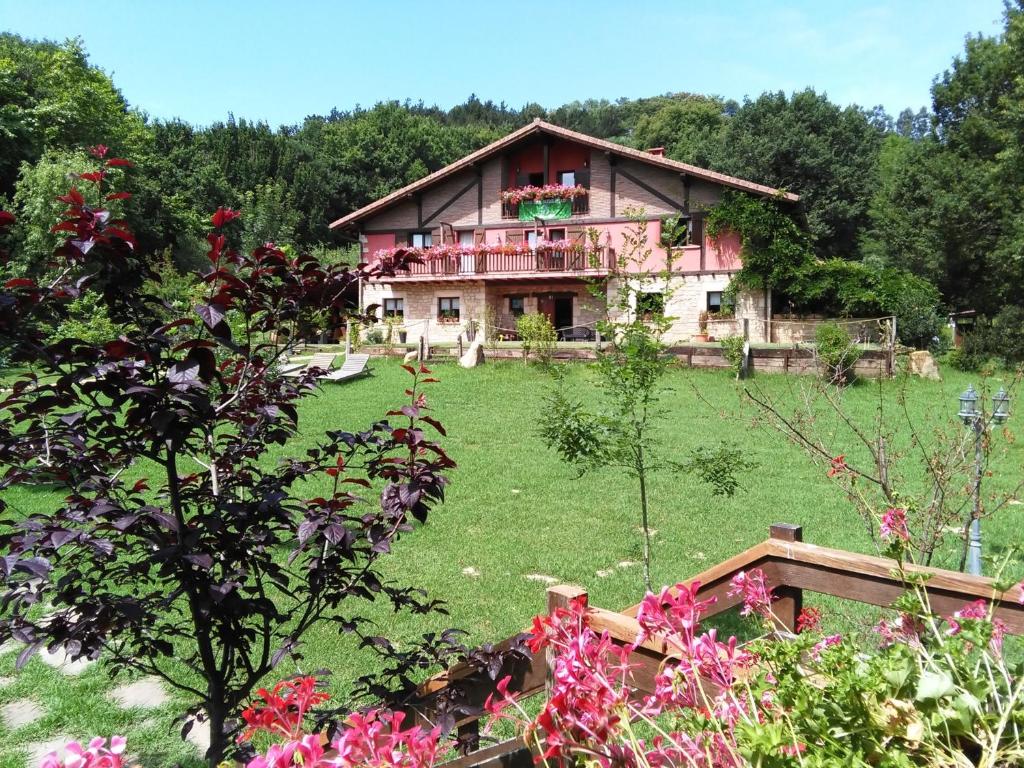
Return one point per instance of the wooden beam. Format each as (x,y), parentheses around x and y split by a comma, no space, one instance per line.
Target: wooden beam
(686,192)
(479,195)
(419,211)
(790,600)
(611,185)
(651,190)
(447,204)
(547,155)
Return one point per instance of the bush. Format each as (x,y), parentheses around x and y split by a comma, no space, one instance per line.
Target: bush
(836,352)
(732,350)
(537,335)
(1005,337)
(375,336)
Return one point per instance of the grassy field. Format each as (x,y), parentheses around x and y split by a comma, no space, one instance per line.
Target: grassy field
(515,515)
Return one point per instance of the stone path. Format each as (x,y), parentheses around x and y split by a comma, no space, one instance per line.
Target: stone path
(20,713)
(61,661)
(146,693)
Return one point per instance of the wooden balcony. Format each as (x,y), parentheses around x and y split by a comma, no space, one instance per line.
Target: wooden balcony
(569,262)
(580,207)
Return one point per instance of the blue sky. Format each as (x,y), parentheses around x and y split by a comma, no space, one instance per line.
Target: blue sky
(280,61)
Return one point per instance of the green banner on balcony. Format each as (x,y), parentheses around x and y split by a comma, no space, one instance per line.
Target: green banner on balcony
(545,209)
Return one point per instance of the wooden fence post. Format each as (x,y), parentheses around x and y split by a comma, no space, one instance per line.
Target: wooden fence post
(790,601)
(559,596)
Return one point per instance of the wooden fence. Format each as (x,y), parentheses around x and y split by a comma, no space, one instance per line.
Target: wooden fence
(791,567)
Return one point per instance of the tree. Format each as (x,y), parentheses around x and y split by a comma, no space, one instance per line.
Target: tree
(620,430)
(691,131)
(808,145)
(217,561)
(52,98)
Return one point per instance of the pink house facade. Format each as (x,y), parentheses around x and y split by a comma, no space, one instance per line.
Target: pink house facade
(488,256)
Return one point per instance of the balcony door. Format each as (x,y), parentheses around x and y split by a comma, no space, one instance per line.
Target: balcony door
(467,261)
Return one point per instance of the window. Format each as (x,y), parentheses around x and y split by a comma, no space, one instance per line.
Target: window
(567,178)
(714,301)
(421,239)
(650,305)
(466,237)
(556,234)
(516,305)
(394,308)
(448,309)
(531,238)
(536,179)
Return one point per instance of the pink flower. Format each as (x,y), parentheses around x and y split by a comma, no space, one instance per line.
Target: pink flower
(757,595)
(903,629)
(894,525)
(823,644)
(97,755)
(973,611)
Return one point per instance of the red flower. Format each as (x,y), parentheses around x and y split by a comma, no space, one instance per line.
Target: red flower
(100,151)
(838,465)
(223,216)
(809,620)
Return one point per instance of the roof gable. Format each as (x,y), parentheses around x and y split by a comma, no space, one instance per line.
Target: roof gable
(538,126)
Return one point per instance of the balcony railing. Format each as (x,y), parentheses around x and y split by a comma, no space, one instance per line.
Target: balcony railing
(580,207)
(574,260)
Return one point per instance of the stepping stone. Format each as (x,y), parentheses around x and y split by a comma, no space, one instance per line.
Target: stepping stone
(20,713)
(604,572)
(147,693)
(626,564)
(199,737)
(61,661)
(38,750)
(5,681)
(10,647)
(470,571)
(541,578)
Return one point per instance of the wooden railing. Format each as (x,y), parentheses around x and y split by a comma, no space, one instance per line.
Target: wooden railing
(790,567)
(576,260)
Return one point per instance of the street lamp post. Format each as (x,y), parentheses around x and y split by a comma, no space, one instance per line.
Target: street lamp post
(975,418)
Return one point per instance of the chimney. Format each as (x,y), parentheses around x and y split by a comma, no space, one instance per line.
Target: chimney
(659,151)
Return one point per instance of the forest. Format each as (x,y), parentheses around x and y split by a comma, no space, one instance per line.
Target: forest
(936,192)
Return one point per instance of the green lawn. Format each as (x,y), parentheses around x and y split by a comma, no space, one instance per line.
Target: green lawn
(513,511)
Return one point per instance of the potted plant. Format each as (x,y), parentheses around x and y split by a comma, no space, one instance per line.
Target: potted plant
(702,326)
(403,335)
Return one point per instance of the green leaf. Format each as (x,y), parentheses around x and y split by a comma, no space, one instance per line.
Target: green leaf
(934,685)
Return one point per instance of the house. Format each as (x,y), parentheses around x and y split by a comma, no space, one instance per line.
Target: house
(535,220)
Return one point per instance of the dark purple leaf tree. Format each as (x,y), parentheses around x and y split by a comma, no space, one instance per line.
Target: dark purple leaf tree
(221,558)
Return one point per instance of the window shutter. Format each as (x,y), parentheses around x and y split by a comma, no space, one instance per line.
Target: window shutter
(583,177)
(522,179)
(514,236)
(479,236)
(696,233)
(575,235)
(437,236)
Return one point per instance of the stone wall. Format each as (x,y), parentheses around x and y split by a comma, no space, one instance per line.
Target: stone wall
(421,303)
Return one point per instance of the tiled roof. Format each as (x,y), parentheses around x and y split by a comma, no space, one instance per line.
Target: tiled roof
(539,126)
